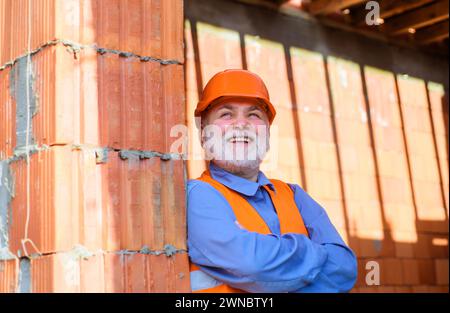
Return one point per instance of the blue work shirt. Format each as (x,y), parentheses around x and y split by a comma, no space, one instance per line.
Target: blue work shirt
(272,262)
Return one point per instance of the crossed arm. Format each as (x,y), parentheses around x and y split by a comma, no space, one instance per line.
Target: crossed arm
(267,263)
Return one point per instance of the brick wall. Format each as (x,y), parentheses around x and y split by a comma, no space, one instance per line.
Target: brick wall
(100,205)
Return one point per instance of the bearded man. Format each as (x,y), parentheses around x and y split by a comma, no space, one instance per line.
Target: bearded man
(248,233)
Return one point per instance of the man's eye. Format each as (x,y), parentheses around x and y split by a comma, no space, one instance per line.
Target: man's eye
(255,114)
(225,114)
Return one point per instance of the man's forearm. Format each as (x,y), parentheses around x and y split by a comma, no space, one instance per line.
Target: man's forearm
(338,274)
(295,262)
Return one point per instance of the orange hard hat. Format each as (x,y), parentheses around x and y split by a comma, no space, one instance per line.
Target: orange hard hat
(235,83)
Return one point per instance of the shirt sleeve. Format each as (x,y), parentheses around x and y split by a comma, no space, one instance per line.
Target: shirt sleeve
(242,259)
(339,272)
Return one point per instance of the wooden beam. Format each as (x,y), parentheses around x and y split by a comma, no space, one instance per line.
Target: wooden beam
(388,8)
(436,32)
(278,2)
(322,7)
(418,18)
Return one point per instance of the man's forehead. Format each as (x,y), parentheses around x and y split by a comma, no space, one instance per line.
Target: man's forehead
(244,106)
(233,104)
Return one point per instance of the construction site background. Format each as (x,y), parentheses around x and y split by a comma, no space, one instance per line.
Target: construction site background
(93,88)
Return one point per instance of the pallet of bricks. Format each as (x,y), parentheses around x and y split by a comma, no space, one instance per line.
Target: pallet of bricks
(91,197)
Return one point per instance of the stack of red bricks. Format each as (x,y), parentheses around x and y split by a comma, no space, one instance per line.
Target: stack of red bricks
(92,93)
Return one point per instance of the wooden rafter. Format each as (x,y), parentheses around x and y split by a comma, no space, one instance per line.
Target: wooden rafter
(388,8)
(425,20)
(278,2)
(432,33)
(320,7)
(418,18)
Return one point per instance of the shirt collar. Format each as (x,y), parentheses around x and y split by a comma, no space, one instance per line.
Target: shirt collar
(239,184)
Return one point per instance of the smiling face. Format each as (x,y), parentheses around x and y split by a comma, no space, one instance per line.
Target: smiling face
(235,134)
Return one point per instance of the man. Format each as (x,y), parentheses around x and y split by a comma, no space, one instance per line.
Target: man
(247,233)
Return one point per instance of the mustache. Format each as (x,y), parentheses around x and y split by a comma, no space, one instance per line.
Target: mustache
(245,135)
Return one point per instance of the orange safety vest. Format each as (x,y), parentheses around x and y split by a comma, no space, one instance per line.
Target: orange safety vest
(288,215)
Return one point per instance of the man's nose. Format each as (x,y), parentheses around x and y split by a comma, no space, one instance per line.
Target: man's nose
(241,121)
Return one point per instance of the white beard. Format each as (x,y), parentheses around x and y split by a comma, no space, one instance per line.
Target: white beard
(236,157)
